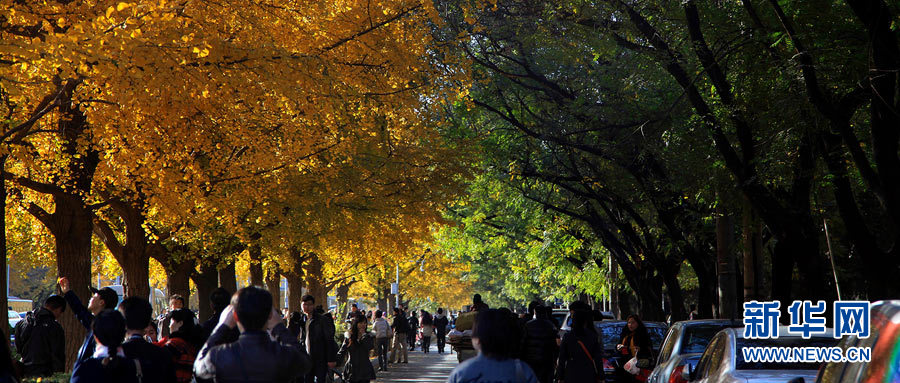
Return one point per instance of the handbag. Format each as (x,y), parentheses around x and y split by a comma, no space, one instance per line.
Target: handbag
(597,375)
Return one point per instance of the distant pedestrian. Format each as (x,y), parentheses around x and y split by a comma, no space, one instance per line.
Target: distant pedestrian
(413,321)
(108,364)
(440,329)
(152,332)
(156,363)
(383,336)
(356,347)
(400,325)
(580,353)
(354,308)
(693,315)
(318,338)
(40,339)
(183,343)
(427,324)
(539,343)
(493,336)
(176,302)
(254,357)
(477,303)
(102,299)
(218,301)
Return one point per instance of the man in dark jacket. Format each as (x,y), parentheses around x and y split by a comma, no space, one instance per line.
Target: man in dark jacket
(218,301)
(254,356)
(539,347)
(102,299)
(400,325)
(440,329)
(318,340)
(40,339)
(156,363)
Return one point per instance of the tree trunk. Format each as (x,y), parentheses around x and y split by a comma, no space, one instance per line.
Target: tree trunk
(256,269)
(136,266)
(205,279)
(72,221)
(726,264)
(295,291)
(315,281)
(178,275)
(273,283)
(384,299)
(4,278)
(227,276)
(752,252)
(612,275)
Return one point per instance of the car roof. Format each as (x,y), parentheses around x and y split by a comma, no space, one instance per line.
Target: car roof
(654,324)
(782,333)
(697,322)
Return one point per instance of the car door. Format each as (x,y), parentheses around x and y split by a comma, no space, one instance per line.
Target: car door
(662,370)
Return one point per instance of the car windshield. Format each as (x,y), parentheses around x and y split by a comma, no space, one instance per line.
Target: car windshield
(610,335)
(742,364)
(697,337)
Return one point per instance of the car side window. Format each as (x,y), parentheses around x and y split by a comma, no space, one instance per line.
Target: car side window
(705,362)
(668,345)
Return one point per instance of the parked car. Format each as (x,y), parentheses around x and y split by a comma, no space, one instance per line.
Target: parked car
(13,318)
(723,360)
(683,346)
(884,339)
(559,317)
(610,335)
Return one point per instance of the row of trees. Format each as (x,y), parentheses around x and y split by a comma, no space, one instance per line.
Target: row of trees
(646,136)
(299,134)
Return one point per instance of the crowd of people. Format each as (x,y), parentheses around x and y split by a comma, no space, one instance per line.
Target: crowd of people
(247,339)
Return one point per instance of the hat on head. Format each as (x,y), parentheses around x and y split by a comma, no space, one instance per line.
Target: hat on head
(109,296)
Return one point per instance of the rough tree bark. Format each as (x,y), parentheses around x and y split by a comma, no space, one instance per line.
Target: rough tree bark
(206,279)
(227,276)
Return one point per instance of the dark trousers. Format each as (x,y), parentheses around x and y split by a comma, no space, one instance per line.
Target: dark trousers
(441,341)
(318,373)
(381,349)
(411,339)
(426,343)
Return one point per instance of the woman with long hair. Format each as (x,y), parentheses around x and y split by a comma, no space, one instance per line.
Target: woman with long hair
(108,363)
(182,343)
(358,344)
(580,352)
(635,344)
(426,322)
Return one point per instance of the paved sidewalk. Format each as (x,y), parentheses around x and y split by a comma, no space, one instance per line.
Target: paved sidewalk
(422,368)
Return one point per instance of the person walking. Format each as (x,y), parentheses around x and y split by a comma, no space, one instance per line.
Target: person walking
(400,325)
(318,339)
(383,335)
(40,339)
(493,336)
(156,363)
(108,364)
(478,304)
(413,330)
(183,343)
(580,353)
(440,329)
(254,356)
(358,368)
(102,299)
(539,343)
(427,323)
